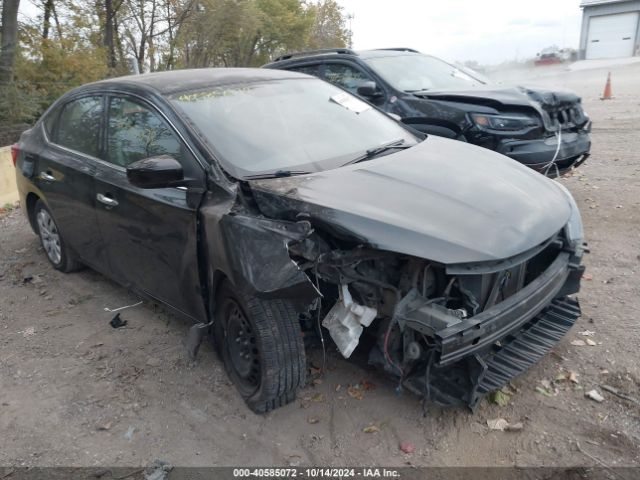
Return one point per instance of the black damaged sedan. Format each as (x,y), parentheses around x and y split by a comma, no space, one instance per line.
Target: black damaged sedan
(269,206)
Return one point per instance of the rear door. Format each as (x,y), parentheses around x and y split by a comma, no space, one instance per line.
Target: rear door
(64,171)
(150,234)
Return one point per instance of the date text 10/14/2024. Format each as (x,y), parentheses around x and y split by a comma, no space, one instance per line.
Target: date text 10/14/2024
(317,472)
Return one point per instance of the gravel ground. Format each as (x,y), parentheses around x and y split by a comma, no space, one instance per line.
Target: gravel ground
(75,392)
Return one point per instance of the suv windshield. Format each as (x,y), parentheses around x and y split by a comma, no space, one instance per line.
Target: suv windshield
(416,72)
(295,126)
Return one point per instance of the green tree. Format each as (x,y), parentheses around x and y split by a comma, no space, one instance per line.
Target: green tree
(243,33)
(329,28)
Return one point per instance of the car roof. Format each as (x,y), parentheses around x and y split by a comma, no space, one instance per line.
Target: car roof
(390,52)
(342,53)
(175,81)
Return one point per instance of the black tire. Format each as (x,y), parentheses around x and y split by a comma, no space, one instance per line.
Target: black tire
(270,334)
(52,242)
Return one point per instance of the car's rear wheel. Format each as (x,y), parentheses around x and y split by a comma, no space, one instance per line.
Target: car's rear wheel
(52,242)
(261,345)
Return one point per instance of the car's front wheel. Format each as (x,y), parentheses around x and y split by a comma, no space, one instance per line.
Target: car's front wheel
(261,345)
(52,242)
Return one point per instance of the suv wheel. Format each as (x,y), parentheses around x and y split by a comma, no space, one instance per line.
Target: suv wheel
(261,345)
(57,252)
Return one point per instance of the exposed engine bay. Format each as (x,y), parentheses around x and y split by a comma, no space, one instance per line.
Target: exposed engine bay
(423,322)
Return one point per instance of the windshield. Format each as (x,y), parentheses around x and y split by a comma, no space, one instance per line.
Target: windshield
(295,125)
(416,72)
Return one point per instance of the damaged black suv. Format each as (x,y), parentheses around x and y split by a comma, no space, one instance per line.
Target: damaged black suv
(268,205)
(545,130)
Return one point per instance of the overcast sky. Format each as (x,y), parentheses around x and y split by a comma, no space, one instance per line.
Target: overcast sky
(488,31)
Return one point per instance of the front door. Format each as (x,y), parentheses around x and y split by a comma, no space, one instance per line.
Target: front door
(150,234)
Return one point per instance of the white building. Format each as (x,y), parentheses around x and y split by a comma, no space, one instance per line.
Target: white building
(610,28)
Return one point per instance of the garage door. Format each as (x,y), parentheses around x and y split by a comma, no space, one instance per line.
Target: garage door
(612,36)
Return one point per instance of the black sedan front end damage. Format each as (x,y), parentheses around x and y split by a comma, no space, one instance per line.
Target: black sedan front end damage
(452,334)
(449,323)
(472,356)
(446,265)
(269,203)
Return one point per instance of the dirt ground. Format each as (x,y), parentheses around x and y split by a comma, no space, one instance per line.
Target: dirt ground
(76,392)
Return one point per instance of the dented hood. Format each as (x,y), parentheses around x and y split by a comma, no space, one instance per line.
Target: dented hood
(498,97)
(442,200)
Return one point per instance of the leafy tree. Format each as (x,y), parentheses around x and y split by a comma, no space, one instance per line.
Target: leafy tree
(242,33)
(329,27)
(71,42)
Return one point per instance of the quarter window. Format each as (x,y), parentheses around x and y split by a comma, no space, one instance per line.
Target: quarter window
(79,125)
(135,132)
(346,76)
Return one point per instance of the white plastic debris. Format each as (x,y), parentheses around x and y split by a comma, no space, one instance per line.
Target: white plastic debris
(497,424)
(106,309)
(503,425)
(595,396)
(345,321)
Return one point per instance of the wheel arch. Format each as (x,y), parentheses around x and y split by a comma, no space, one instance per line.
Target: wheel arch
(30,201)
(216,280)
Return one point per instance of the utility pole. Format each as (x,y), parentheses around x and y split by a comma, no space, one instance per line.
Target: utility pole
(350,17)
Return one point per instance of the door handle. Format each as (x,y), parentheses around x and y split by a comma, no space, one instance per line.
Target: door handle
(108,201)
(47,176)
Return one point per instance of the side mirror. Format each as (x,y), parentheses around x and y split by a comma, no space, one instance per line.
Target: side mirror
(369,89)
(155,172)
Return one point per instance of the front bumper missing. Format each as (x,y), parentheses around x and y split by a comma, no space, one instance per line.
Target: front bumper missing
(485,352)
(468,381)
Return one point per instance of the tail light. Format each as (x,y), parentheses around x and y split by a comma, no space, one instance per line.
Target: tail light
(15,151)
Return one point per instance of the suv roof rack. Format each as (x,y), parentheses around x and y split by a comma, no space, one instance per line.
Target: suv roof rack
(400,49)
(287,56)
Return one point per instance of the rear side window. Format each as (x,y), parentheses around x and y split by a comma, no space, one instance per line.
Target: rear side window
(79,125)
(346,76)
(308,69)
(135,132)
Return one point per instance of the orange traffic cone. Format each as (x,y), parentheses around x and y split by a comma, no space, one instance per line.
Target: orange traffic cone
(606,95)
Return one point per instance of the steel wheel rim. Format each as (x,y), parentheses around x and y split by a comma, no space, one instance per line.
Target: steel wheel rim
(49,236)
(242,347)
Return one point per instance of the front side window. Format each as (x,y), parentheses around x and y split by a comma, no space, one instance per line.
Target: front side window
(79,125)
(295,124)
(346,76)
(135,132)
